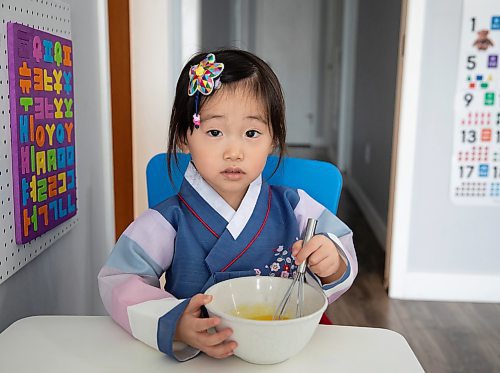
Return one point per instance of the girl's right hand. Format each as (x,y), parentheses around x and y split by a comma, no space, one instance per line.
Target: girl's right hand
(193,330)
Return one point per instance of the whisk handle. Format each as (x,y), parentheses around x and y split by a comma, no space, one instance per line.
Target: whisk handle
(310,230)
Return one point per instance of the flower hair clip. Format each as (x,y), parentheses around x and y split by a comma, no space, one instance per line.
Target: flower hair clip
(203,78)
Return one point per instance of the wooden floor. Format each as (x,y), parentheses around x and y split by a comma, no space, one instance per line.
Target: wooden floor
(445,336)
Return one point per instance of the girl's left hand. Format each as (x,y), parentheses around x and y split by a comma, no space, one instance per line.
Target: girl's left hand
(324,259)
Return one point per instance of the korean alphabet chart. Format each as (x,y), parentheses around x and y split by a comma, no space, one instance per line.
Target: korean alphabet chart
(42,130)
(475,176)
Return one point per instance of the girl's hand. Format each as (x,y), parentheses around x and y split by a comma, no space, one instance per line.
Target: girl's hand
(193,330)
(324,259)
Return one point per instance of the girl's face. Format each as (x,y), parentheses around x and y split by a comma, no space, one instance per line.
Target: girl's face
(231,146)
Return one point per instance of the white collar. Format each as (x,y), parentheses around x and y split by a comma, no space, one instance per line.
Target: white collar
(237,220)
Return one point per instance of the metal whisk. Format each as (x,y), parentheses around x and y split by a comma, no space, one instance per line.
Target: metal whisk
(298,280)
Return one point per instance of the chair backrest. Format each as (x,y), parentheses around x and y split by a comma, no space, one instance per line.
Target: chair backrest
(321,180)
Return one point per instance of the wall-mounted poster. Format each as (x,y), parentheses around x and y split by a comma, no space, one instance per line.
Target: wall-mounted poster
(42,129)
(475,178)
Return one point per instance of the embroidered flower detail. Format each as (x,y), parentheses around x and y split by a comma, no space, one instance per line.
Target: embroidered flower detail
(272,274)
(275,267)
(257,271)
(201,76)
(282,263)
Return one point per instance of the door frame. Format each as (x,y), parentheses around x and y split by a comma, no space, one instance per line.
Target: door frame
(403,146)
(347,85)
(121,113)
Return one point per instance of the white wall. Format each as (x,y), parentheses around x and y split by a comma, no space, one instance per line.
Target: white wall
(163,35)
(63,279)
(439,250)
(287,36)
(149,85)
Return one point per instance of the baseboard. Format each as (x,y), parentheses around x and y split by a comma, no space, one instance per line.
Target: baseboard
(372,217)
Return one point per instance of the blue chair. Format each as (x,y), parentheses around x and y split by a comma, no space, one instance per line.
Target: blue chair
(321,180)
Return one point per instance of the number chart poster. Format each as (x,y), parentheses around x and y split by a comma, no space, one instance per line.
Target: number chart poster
(475,178)
(42,130)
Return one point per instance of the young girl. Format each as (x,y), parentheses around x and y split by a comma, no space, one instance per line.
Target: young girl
(226,221)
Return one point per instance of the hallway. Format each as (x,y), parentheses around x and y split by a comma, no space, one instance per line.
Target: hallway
(445,336)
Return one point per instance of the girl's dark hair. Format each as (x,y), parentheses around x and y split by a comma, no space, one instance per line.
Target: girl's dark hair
(240,67)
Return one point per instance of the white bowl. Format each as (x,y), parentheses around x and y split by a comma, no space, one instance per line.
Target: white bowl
(265,342)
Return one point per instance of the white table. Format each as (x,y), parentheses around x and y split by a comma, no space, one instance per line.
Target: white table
(97,344)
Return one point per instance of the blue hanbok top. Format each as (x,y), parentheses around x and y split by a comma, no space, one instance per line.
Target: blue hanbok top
(197,239)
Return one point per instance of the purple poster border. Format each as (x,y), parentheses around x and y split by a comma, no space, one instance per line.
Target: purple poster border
(42,130)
